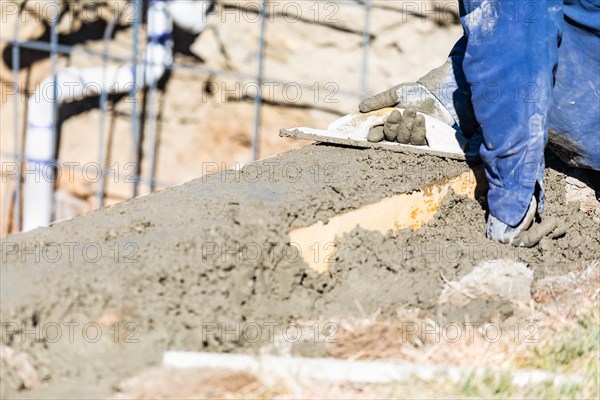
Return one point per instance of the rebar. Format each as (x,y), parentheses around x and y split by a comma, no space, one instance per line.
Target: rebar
(260,82)
(16,66)
(54,71)
(108,32)
(135,129)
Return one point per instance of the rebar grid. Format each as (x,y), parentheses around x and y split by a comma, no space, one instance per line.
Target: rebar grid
(54,49)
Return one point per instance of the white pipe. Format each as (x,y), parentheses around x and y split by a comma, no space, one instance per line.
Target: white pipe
(76,84)
(339,370)
(190,15)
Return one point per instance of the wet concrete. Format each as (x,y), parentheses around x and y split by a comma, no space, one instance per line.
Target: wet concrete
(159,272)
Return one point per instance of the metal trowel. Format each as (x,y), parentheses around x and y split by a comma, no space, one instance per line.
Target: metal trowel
(352,130)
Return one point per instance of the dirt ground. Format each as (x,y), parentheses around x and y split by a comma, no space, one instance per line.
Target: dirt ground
(154,273)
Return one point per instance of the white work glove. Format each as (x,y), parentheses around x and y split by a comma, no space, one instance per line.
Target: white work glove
(528,233)
(408,95)
(407,128)
(442,93)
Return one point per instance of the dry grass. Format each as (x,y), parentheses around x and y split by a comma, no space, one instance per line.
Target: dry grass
(169,383)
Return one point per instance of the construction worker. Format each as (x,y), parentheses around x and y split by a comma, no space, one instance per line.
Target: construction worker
(523,73)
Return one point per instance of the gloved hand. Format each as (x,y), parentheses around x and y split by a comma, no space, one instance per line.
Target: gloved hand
(410,127)
(442,93)
(408,95)
(407,129)
(527,234)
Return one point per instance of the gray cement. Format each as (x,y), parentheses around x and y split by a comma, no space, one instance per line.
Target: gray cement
(216,250)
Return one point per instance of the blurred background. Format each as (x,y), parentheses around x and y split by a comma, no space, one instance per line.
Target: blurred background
(82,127)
